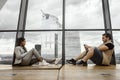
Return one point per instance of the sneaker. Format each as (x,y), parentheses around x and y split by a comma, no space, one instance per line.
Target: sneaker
(82,63)
(50,60)
(58,61)
(71,61)
(43,63)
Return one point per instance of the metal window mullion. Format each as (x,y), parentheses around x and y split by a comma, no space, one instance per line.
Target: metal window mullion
(22,18)
(107,23)
(63,34)
(21,22)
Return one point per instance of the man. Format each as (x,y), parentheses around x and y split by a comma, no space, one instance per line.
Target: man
(100,55)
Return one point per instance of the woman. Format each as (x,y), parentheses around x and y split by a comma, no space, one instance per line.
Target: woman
(24,57)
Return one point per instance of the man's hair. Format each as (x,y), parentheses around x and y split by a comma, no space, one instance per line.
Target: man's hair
(108,35)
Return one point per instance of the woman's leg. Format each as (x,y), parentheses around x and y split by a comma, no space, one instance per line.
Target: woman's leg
(28,58)
(36,54)
(33,61)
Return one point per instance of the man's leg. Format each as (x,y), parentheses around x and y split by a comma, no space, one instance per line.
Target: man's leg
(81,55)
(97,57)
(73,61)
(88,55)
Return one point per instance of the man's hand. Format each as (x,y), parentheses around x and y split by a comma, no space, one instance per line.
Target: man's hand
(86,46)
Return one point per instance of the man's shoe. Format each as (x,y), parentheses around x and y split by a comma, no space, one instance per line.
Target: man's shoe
(71,61)
(82,63)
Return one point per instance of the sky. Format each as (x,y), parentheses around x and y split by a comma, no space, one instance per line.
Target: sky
(80,14)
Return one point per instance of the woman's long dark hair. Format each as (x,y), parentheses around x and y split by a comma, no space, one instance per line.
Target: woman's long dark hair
(19,41)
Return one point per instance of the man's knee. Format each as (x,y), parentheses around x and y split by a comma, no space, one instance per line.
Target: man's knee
(91,51)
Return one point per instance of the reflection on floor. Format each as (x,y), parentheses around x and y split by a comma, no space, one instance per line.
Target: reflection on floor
(91,72)
(67,72)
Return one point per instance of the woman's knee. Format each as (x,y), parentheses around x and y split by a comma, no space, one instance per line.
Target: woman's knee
(33,49)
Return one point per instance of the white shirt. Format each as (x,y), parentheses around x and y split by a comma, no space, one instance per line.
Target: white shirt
(20,54)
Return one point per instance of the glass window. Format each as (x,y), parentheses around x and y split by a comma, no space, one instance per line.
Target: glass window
(44,14)
(115,13)
(7,43)
(116,38)
(84,14)
(75,41)
(74,44)
(50,42)
(9,14)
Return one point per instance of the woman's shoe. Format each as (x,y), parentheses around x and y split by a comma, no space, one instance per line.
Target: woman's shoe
(50,60)
(43,63)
